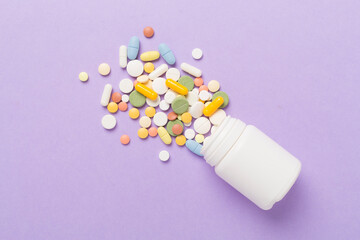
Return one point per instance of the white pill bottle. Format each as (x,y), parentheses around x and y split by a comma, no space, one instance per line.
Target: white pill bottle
(251,162)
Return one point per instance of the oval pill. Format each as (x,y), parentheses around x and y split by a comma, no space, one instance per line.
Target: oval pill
(160,70)
(166,53)
(176,87)
(123,56)
(149,56)
(105,98)
(191,69)
(164,135)
(213,106)
(147,92)
(133,48)
(194,147)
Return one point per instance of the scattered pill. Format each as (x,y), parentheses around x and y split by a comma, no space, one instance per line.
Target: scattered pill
(160,119)
(164,155)
(196,91)
(179,117)
(142,79)
(176,87)
(133,48)
(180,105)
(205,141)
(192,98)
(116,97)
(104,69)
(122,106)
(213,129)
(148,32)
(153,103)
(173,73)
(217,118)
(143,133)
(189,134)
(194,147)
(196,110)
(149,67)
(202,125)
(83,76)
(180,140)
(112,107)
(204,95)
(137,99)
(203,88)
(169,96)
(164,135)
(108,121)
(150,111)
(198,81)
(177,129)
(196,53)
(153,132)
(145,122)
(160,70)
(186,117)
(123,56)
(164,105)
(187,124)
(213,86)
(199,138)
(187,81)
(172,116)
(159,86)
(125,139)
(224,96)
(149,56)
(126,85)
(134,113)
(105,98)
(166,53)
(213,106)
(191,70)
(135,68)
(147,92)
(125,98)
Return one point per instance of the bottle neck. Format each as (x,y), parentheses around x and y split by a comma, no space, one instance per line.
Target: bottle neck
(219,143)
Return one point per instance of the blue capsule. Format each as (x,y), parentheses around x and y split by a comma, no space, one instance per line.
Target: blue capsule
(194,146)
(166,53)
(133,48)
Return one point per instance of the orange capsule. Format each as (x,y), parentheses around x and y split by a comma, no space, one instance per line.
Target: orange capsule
(213,106)
(176,87)
(147,92)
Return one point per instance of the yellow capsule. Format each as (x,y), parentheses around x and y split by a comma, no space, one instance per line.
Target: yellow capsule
(164,135)
(213,106)
(149,56)
(176,87)
(146,91)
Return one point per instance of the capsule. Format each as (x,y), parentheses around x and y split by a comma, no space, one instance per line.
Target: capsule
(123,56)
(213,106)
(176,87)
(146,91)
(149,56)
(160,70)
(164,135)
(191,70)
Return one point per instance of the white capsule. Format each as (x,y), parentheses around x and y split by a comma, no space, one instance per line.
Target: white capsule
(123,56)
(105,98)
(191,70)
(160,70)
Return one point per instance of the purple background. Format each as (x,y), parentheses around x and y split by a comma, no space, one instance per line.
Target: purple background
(291,68)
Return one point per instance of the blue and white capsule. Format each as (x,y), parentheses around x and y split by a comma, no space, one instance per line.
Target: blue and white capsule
(133,48)
(194,147)
(167,54)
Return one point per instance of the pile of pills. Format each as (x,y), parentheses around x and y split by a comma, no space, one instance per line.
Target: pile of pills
(179,105)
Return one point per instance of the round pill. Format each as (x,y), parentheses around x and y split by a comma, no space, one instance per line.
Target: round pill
(218,117)
(196,53)
(164,155)
(180,105)
(173,73)
(125,139)
(204,95)
(126,85)
(145,121)
(148,32)
(116,97)
(160,119)
(224,96)
(199,138)
(189,134)
(187,124)
(153,131)
(198,81)
(180,140)
(83,76)
(196,110)
(125,98)
(187,81)
(179,117)
(137,99)
(172,116)
(202,125)
(177,129)
(134,113)
(213,86)
(153,103)
(196,91)
(143,133)
(108,121)
(150,111)
(122,106)
(159,86)
(186,117)
(149,67)
(112,107)
(203,87)
(192,98)
(142,79)
(104,69)
(135,68)
(164,105)
(170,95)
